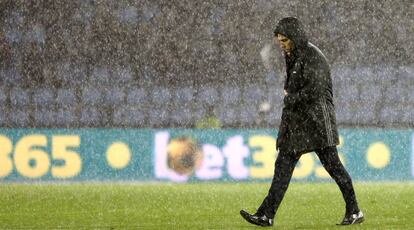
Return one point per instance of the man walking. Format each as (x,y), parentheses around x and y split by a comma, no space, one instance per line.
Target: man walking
(308,124)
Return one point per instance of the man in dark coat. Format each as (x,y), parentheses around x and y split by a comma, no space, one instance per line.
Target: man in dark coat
(308,123)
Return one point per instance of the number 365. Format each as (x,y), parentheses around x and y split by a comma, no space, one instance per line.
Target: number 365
(31,159)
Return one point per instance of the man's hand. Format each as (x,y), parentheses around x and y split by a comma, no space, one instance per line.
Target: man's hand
(286,93)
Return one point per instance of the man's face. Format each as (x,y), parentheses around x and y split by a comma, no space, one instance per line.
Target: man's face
(285,43)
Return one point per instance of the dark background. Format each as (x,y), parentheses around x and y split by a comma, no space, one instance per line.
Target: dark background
(152,64)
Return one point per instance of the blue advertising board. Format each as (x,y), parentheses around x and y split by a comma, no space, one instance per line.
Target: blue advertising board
(190,155)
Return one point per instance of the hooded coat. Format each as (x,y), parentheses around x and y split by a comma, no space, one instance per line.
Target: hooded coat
(308,118)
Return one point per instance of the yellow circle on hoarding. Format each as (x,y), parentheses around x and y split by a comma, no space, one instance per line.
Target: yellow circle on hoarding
(378,155)
(118,155)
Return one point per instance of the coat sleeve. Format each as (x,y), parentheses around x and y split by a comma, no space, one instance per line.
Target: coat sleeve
(312,86)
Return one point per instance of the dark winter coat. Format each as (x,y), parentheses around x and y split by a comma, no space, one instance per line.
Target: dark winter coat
(308,117)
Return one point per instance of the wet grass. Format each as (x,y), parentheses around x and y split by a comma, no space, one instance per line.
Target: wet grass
(196,206)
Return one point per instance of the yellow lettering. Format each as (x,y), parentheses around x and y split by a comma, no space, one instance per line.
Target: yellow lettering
(6,163)
(265,156)
(32,162)
(60,151)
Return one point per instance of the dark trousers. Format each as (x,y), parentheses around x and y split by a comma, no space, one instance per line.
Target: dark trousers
(284,166)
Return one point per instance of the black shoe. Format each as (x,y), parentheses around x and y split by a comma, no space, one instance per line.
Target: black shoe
(260,220)
(355,218)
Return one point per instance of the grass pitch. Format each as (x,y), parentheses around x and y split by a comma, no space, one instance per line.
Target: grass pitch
(196,206)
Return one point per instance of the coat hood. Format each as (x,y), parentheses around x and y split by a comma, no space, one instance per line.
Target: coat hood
(293,29)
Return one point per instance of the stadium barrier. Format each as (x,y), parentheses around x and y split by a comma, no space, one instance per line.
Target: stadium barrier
(189,155)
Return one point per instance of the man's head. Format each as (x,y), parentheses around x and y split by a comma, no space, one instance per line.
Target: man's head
(285,43)
(290,34)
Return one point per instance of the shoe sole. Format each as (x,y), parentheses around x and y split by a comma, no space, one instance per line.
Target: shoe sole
(358,221)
